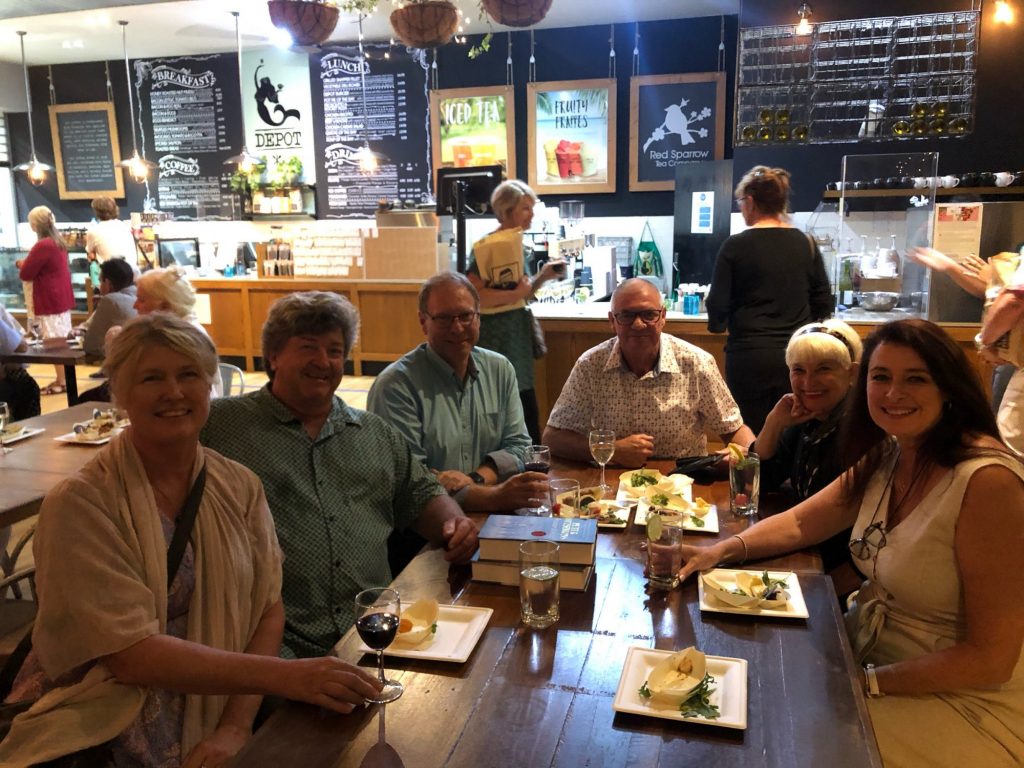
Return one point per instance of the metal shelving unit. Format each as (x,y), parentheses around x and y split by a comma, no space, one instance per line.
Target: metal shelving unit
(900,77)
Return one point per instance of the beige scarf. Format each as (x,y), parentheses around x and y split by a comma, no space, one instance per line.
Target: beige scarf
(102,587)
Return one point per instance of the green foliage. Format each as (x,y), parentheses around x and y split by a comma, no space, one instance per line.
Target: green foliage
(243,182)
(284,173)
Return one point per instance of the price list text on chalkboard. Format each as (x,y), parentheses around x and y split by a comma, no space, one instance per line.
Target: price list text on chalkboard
(86,150)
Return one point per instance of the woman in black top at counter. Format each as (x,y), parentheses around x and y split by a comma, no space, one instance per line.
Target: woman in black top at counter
(768,281)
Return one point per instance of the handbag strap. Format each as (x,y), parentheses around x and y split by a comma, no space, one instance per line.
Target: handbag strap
(175,554)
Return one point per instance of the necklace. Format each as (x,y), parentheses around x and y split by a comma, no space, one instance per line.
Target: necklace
(892,518)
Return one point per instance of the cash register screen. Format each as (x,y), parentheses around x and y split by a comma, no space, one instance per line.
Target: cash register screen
(183,251)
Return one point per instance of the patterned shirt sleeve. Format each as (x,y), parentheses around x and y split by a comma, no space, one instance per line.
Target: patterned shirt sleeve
(717,407)
(574,408)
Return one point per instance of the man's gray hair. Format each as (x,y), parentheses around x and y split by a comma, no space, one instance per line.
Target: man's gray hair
(454,279)
(308,313)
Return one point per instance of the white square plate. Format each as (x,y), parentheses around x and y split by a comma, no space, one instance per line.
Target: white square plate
(796,608)
(710,520)
(70,438)
(459,627)
(25,434)
(730,694)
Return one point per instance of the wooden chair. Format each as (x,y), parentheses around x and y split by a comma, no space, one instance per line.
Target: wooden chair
(17,597)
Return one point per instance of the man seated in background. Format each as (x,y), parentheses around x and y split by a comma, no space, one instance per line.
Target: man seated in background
(657,393)
(116,305)
(17,388)
(338,480)
(457,405)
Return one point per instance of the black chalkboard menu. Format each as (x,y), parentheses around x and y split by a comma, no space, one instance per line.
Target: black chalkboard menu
(674,120)
(188,130)
(396,125)
(86,150)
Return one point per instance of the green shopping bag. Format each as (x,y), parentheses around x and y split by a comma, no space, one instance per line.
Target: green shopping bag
(647,262)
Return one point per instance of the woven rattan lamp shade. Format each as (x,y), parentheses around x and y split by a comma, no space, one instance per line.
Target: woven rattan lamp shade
(307,21)
(517,13)
(425,25)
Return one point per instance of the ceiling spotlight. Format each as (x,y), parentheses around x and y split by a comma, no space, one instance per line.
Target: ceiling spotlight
(1004,12)
(281,38)
(804,12)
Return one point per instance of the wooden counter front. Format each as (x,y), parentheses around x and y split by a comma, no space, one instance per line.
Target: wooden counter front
(387,309)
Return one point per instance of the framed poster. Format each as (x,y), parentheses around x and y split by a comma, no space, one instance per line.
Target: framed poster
(86,150)
(571,133)
(473,126)
(673,119)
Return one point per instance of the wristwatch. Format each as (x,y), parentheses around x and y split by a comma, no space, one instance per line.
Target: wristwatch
(871,682)
(477,478)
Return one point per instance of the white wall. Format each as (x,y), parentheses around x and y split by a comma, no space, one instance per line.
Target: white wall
(12,88)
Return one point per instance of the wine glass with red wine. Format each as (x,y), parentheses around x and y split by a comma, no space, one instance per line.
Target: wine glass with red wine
(538,459)
(378,612)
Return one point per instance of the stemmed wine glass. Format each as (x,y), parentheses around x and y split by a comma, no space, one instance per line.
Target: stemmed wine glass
(602,448)
(5,418)
(378,613)
(537,459)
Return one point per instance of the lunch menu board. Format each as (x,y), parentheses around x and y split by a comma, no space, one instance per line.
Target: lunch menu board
(189,133)
(395,125)
(86,150)
(674,119)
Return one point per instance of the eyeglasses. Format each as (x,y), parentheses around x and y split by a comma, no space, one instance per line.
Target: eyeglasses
(871,542)
(464,318)
(739,201)
(649,316)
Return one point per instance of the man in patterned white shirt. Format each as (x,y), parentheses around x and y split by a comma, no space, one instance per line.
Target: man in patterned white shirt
(660,395)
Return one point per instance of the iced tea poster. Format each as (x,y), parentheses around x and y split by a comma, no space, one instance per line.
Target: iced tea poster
(571,129)
(673,120)
(472,127)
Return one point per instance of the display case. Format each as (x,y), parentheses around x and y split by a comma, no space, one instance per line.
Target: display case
(11,294)
(874,280)
(78,263)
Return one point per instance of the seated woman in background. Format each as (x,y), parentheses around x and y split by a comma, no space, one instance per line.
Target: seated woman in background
(800,438)
(144,673)
(17,388)
(936,502)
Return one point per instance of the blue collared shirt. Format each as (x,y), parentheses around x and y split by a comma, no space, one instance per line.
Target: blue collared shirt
(335,500)
(453,424)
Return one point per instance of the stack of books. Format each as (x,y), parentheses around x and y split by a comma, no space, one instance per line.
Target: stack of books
(498,557)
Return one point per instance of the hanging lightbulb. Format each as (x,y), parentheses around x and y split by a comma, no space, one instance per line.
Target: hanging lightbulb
(246,162)
(367,160)
(804,12)
(137,166)
(35,170)
(1004,12)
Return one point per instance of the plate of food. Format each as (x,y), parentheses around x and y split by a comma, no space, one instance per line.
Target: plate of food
(609,513)
(760,593)
(98,430)
(686,686)
(14,433)
(637,483)
(433,632)
(698,515)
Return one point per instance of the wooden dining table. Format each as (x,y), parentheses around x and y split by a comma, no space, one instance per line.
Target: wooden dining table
(68,357)
(529,697)
(36,464)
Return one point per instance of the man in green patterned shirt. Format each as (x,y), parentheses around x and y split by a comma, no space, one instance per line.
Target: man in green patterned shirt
(338,480)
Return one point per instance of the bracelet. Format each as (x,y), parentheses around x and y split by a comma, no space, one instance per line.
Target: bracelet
(871,682)
(746,552)
(979,344)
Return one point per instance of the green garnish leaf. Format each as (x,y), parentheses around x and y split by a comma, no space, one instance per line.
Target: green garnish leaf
(698,522)
(772,587)
(645,692)
(639,480)
(698,704)
(660,499)
(433,628)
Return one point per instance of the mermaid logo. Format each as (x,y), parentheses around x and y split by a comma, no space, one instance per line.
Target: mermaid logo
(267,92)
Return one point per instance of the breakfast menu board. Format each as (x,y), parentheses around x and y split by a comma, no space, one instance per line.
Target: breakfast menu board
(571,132)
(189,133)
(394,123)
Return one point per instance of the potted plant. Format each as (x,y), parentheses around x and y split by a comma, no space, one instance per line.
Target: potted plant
(309,22)
(243,183)
(516,13)
(417,23)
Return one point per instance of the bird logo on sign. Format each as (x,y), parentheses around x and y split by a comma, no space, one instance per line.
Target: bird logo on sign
(677,122)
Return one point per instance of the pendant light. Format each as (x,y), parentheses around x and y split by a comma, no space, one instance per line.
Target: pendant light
(804,12)
(367,159)
(137,166)
(35,170)
(245,162)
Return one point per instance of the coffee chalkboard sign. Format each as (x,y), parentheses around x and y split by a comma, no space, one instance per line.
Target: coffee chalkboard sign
(86,150)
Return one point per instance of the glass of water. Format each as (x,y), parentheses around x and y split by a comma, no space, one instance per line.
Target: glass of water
(745,486)
(538,583)
(602,448)
(5,419)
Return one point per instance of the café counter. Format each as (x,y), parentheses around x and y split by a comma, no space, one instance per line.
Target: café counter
(389,326)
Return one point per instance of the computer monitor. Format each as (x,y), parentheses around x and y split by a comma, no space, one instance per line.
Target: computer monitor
(480,182)
(183,251)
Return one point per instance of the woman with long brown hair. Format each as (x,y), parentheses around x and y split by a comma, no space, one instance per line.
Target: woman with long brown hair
(936,501)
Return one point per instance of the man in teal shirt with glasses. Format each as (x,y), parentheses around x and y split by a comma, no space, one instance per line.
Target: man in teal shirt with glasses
(458,405)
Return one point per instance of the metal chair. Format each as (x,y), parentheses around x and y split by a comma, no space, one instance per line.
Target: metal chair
(17,610)
(233,379)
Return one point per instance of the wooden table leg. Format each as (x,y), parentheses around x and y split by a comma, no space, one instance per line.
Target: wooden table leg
(71,384)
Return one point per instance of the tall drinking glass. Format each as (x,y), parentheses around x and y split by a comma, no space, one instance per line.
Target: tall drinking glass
(537,459)
(5,419)
(602,448)
(745,485)
(664,550)
(538,583)
(378,613)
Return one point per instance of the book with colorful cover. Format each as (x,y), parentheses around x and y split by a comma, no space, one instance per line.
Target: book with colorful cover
(501,535)
(571,577)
